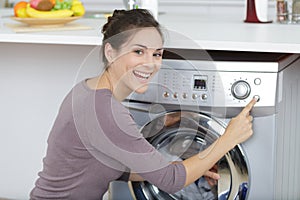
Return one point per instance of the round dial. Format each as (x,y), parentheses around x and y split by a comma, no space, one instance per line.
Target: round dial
(240,90)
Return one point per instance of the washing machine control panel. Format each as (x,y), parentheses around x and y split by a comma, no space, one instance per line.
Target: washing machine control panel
(198,84)
(215,88)
(183,83)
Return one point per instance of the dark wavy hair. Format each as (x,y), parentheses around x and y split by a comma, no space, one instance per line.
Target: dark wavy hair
(121,22)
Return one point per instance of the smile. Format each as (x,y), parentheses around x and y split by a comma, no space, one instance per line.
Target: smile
(141,75)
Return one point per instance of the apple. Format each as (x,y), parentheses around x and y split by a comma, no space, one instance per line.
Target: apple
(43,5)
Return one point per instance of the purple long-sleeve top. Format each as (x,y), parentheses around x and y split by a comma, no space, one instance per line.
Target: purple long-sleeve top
(94,140)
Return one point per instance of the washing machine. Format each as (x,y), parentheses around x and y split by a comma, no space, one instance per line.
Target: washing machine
(188,106)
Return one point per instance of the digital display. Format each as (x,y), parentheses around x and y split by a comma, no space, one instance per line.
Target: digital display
(200,82)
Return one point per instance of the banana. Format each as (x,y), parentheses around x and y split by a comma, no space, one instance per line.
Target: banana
(31,12)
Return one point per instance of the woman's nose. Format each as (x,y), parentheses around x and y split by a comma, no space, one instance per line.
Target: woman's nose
(149,58)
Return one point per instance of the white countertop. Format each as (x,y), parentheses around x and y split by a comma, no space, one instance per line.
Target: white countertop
(233,34)
(79,37)
(206,32)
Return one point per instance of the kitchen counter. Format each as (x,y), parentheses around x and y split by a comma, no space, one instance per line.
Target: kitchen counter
(77,37)
(195,31)
(231,33)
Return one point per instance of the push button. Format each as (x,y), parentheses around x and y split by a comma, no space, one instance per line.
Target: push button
(166,94)
(175,95)
(204,97)
(257,81)
(194,96)
(257,97)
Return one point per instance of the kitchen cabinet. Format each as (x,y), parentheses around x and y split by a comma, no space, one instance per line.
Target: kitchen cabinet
(34,79)
(38,69)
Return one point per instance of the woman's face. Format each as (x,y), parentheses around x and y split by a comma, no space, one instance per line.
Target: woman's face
(137,61)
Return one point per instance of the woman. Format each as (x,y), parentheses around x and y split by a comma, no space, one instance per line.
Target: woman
(95,141)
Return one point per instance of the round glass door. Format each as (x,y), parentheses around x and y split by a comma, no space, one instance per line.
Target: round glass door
(178,136)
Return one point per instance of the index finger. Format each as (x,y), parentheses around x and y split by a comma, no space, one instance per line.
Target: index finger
(249,106)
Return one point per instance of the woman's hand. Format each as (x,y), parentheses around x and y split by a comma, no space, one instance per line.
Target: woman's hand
(239,128)
(211,176)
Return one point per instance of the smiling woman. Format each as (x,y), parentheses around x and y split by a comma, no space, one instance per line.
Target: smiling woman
(94,139)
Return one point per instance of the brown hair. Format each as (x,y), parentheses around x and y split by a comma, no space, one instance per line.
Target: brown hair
(122,21)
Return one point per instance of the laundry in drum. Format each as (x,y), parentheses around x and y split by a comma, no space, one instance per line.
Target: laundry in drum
(199,190)
(243,188)
(243,191)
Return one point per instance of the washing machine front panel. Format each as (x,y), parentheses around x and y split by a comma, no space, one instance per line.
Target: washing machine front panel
(259,151)
(179,135)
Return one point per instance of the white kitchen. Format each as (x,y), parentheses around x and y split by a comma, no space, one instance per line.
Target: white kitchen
(253,56)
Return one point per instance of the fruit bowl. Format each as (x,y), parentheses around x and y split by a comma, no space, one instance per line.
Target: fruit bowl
(46,22)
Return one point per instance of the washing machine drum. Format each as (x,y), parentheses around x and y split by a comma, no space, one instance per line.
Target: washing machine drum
(179,135)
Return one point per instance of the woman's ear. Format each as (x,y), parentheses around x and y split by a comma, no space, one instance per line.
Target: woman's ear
(109,52)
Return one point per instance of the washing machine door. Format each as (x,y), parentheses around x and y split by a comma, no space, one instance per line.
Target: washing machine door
(179,135)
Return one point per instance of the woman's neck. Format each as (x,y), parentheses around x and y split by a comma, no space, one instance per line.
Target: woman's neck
(107,81)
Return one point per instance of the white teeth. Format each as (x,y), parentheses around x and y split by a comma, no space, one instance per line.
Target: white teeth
(142,74)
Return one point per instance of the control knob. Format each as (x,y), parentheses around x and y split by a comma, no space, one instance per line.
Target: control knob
(240,90)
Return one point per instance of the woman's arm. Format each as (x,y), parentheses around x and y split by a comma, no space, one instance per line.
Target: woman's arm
(209,174)
(238,130)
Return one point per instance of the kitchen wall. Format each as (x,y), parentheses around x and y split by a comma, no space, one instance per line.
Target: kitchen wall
(166,5)
(215,7)
(180,6)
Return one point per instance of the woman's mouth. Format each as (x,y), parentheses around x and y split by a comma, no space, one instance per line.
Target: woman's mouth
(141,75)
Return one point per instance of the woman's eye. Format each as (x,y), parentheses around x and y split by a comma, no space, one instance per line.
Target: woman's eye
(158,54)
(139,51)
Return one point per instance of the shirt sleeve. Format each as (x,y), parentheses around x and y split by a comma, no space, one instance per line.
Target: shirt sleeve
(120,139)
